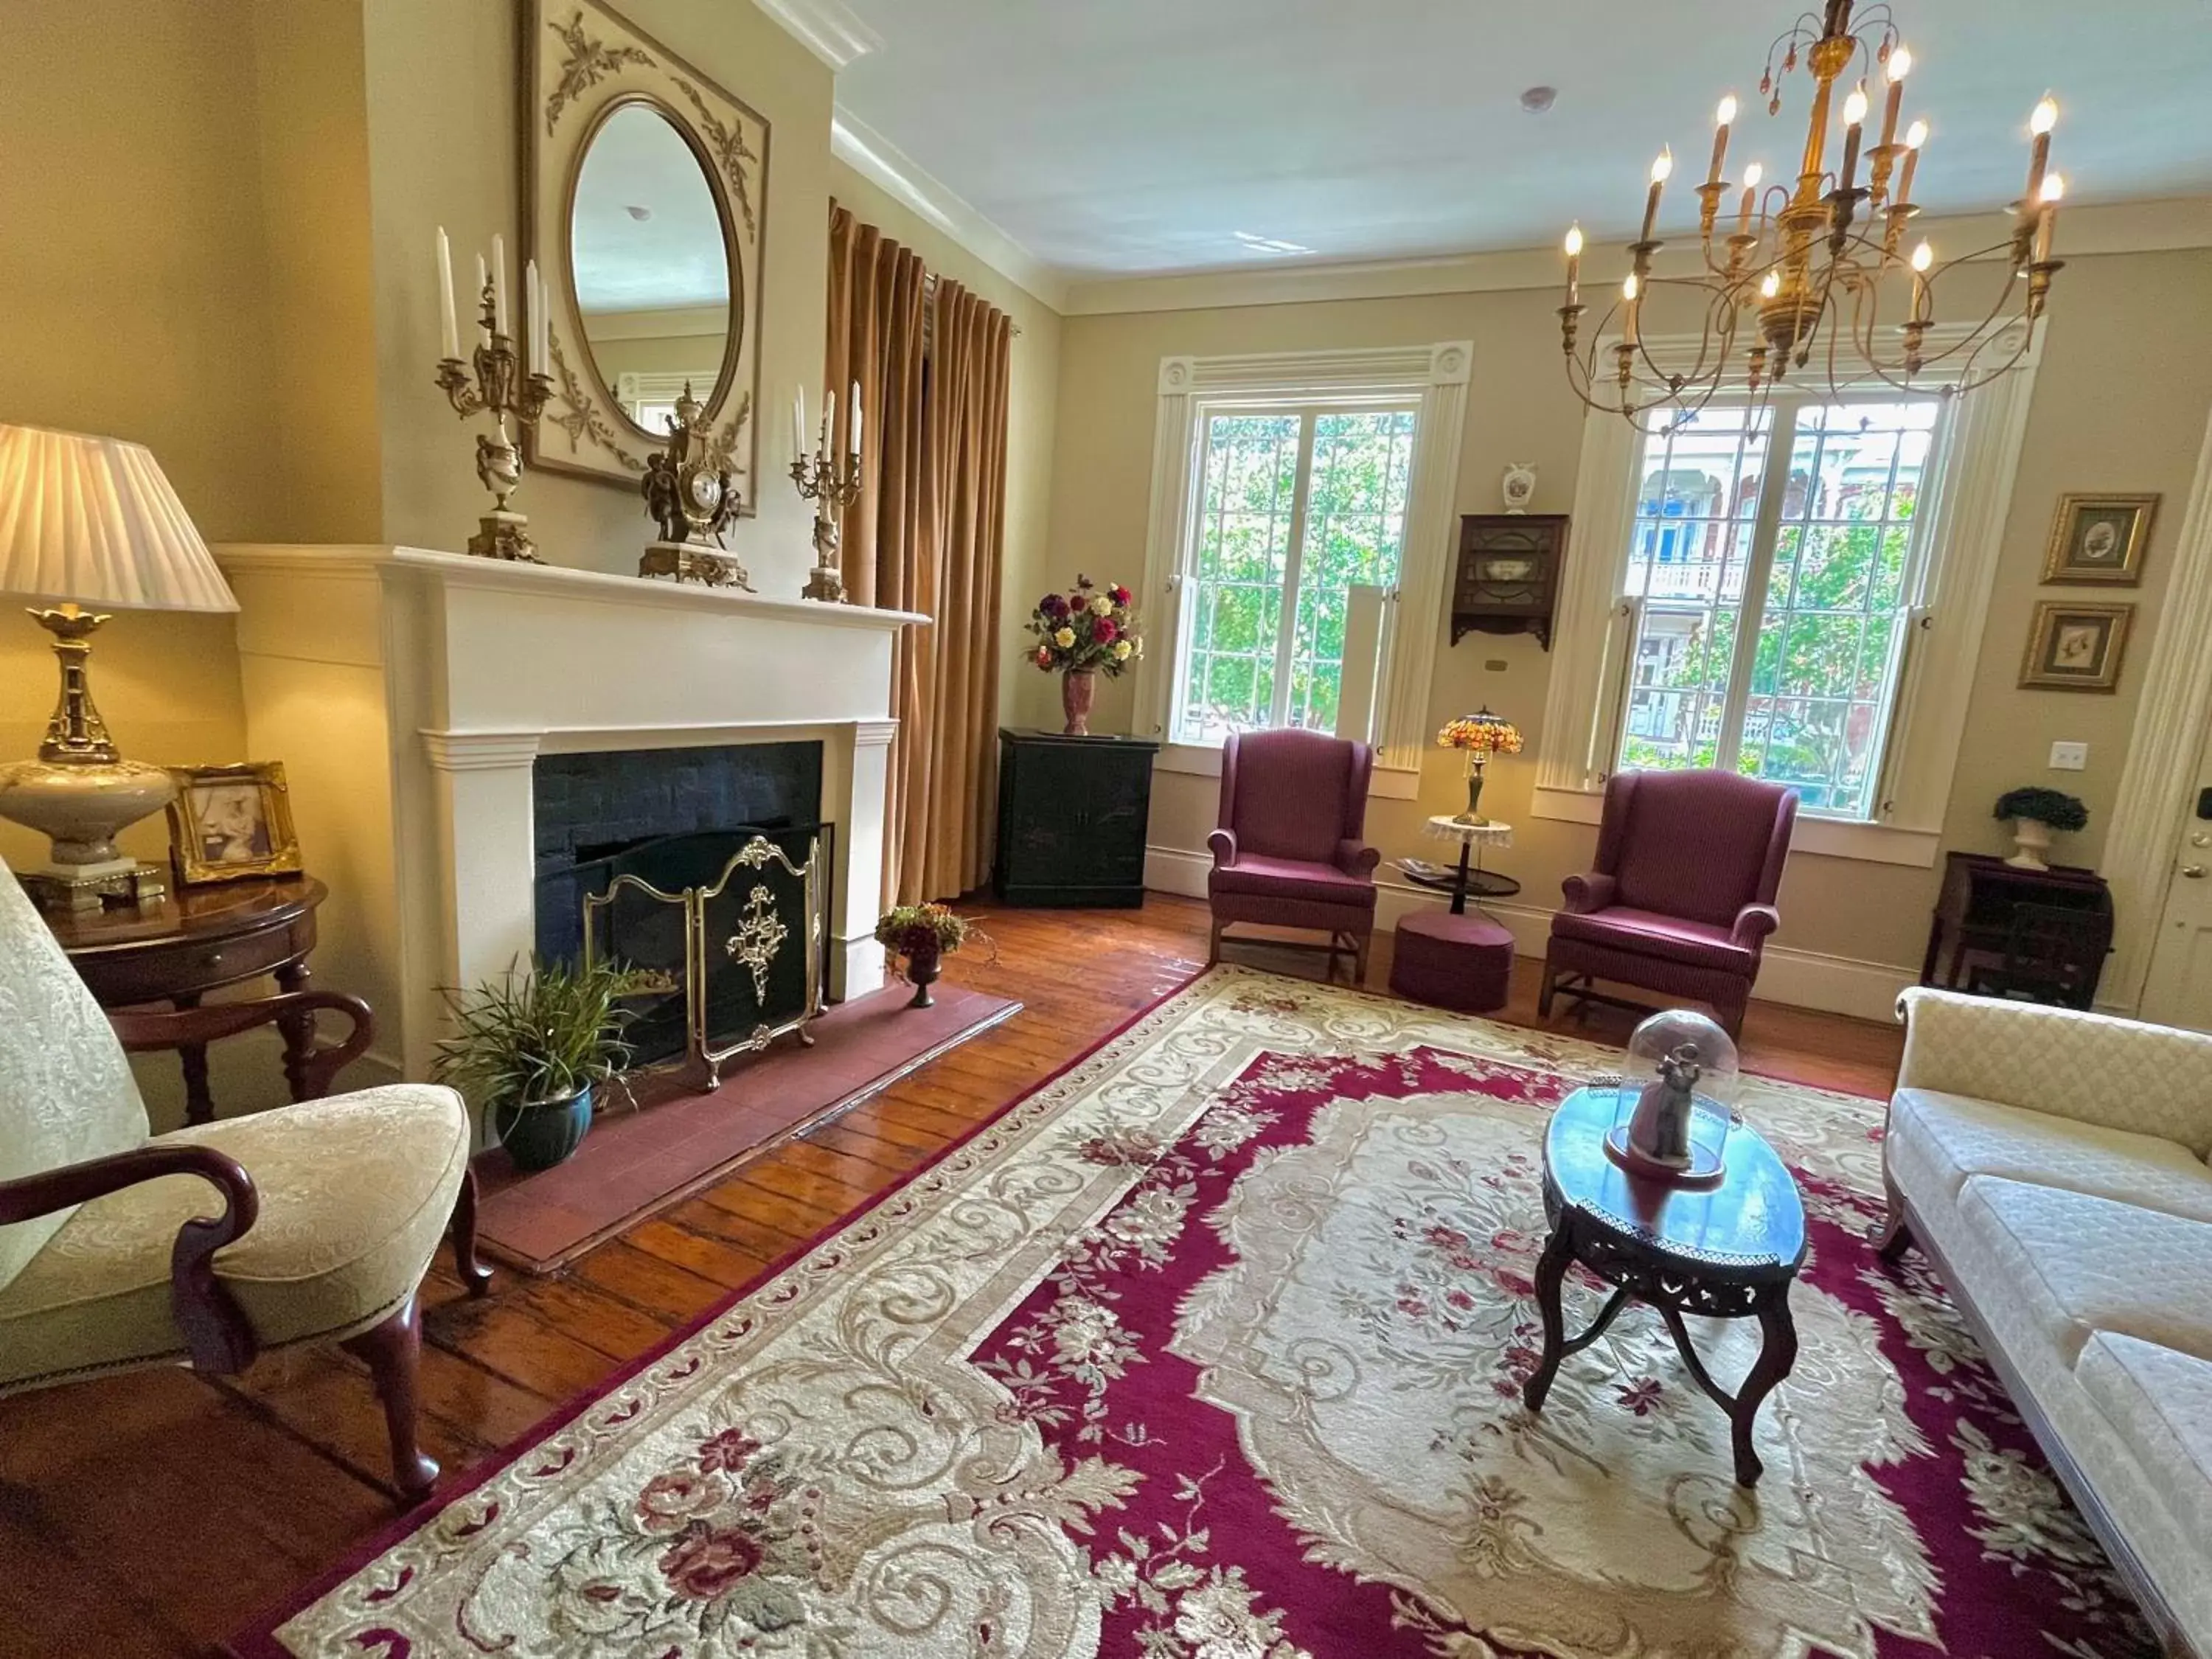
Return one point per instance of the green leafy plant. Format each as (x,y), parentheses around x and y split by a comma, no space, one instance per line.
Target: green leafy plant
(2053,807)
(537,1036)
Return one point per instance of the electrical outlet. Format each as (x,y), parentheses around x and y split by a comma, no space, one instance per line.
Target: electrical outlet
(2068,756)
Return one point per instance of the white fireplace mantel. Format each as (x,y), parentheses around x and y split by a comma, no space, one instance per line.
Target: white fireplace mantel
(408,693)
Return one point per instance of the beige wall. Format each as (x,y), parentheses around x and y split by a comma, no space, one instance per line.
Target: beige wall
(1024,696)
(2115,408)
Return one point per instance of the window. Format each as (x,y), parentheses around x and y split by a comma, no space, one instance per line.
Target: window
(1801,515)
(1294,507)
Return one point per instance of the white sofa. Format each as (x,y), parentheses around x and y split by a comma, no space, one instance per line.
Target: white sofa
(2052,1164)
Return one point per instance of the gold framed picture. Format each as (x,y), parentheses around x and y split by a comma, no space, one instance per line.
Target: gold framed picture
(232,822)
(2076,647)
(2099,538)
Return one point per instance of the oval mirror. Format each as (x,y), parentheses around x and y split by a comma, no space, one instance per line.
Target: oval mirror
(650,260)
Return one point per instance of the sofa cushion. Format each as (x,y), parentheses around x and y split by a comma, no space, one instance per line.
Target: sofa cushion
(2080,1265)
(1951,1137)
(1675,939)
(2160,1402)
(355,1193)
(1292,878)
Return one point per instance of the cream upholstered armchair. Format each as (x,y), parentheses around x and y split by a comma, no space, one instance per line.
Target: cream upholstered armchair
(118,1249)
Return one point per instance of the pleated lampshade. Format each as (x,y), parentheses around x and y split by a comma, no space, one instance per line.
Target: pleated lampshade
(92,520)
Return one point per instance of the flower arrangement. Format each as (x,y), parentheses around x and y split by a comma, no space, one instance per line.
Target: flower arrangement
(1480,735)
(1086,630)
(2035,813)
(924,934)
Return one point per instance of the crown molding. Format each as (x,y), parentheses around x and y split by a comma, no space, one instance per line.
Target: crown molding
(2084,230)
(830,30)
(873,156)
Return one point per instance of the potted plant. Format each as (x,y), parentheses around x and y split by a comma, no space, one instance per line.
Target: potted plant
(923,935)
(2035,813)
(529,1046)
(1084,633)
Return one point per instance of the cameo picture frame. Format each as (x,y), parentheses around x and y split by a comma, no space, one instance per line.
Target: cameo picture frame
(2099,538)
(232,823)
(2075,647)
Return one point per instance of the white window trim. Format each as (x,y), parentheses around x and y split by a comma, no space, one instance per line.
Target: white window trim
(1964,533)
(1438,375)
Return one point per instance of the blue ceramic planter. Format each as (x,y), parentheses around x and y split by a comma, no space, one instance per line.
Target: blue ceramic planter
(546,1133)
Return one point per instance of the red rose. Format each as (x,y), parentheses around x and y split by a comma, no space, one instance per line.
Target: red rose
(1044,656)
(704,1564)
(731,1450)
(1120,594)
(1103,631)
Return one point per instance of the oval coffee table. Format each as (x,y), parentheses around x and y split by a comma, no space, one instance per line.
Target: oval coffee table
(1730,1251)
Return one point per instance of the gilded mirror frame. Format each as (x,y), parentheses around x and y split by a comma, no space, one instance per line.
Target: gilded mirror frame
(582,63)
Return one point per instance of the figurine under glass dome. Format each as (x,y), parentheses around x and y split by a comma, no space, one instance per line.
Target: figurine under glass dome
(1676,1102)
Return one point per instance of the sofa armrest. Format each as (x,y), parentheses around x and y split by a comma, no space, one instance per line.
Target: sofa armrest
(1357,858)
(215,1333)
(1224,844)
(310,1068)
(1588,893)
(2063,1062)
(1753,924)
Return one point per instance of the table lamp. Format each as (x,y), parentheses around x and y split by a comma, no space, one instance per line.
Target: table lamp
(1482,735)
(85,524)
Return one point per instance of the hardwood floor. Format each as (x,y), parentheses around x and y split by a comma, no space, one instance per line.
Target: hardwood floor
(155,1513)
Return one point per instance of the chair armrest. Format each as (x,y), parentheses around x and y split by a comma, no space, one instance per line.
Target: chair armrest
(215,1333)
(2063,1063)
(311,1072)
(1224,844)
(1753,924)
(1589,892)
(1357,858)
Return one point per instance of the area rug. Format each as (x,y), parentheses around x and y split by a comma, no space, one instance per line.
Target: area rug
(1212,1348)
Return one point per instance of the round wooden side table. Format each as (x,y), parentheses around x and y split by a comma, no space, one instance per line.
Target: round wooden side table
(199,939)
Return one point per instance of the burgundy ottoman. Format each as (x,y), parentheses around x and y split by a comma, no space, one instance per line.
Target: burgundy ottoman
(1461,962)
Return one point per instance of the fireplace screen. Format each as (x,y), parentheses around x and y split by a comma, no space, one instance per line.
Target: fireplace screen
(731,941)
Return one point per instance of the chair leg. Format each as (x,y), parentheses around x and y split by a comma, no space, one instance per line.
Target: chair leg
(1363,942)
(1547,990)
(473,1272)
(392,1351)
(1894,1237)
(1213,946)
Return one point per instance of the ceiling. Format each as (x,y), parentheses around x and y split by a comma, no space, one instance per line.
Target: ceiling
(673,254)
(1144,136)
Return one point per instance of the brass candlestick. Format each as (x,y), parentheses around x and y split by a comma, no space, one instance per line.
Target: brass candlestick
(493,380)
(820,481)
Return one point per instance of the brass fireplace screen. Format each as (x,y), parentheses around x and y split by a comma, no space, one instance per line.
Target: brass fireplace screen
(743,967)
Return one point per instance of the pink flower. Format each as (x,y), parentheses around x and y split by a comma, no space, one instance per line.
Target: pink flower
(731,1449)
(704,1564)
(669,1502)
(1120,594)
(1641,1396)
(1104,632)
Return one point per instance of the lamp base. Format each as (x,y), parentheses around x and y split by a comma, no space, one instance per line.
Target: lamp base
(86,887)
(82,804)
(504,535)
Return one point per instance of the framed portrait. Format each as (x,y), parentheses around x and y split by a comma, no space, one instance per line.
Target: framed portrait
(2076,647)
(232,822)
(2099,538)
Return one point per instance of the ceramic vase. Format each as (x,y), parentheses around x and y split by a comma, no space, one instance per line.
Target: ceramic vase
(1078,686)
(544,1132)
(2031,840)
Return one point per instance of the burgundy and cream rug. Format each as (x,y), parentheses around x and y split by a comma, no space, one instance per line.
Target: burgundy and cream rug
(1212,1348)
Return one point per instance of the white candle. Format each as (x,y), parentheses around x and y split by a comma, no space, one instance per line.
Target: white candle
(449,338)
(482,278)
(799,423)
(544,330)
(828,420)
(531,312)
(499,285)
(856,417)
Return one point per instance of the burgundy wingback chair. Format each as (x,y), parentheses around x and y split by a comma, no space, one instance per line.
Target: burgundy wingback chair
(1682,898)
(1289,851)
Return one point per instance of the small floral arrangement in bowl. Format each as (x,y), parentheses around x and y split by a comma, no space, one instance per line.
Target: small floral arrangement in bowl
(924,934)
(2034,813)
(1087,631)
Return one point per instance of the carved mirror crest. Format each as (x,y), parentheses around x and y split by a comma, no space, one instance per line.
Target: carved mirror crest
(646,193)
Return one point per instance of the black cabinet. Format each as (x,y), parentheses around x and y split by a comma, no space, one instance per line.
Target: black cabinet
(1071,817)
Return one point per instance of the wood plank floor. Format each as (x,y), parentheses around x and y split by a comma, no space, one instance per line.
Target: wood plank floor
(154,1514)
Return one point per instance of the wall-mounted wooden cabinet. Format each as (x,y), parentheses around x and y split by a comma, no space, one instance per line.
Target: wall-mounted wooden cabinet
(1509,574)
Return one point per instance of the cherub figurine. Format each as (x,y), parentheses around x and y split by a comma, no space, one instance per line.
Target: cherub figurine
(1660,1129)
(658,487)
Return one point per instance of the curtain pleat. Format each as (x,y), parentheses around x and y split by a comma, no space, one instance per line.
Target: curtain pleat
(927,534)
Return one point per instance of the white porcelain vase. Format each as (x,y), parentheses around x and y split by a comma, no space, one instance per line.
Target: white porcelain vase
(2030,840)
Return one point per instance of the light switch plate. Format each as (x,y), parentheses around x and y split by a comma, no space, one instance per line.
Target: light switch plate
(2068,756)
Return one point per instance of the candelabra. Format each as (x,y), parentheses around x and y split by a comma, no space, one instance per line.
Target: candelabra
(820,480)
(494,380)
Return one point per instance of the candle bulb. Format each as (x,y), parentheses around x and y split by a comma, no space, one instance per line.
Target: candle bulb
(1854,114)
(1660,168)
(1632,300)
(484,280)
(532,310)
(1923,258)
(1770,285)
(829,418)
(2046,218)
(499,285)
(1575,264)
(1915,135)
(856,419)
(1722,117)
(449,335)
(1752,176)
(1901,65)
(2039,124)
(799,423)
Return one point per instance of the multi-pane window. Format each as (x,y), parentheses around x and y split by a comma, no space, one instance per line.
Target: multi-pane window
(1801,515)
(1294,507)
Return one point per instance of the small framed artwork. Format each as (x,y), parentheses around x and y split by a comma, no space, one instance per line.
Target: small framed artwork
(2099,538)
(231,822)
(2076,647)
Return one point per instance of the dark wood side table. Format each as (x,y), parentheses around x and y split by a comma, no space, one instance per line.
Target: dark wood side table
(196,940)
(1973,911)
(1731,1251)
(1073,814)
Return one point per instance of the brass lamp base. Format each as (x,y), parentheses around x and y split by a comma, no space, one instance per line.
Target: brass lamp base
(57,890)
(504,535)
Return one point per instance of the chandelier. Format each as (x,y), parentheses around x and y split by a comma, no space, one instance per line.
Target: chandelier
(1795,279)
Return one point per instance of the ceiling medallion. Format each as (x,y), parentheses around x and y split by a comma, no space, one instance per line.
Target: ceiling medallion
(1796,277)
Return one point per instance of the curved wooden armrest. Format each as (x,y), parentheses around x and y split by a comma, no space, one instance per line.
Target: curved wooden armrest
(144,1030)
(215,1333)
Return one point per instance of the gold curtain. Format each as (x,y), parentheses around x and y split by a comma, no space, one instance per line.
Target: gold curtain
(926,534)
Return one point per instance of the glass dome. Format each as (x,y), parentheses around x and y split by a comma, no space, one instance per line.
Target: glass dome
(1675,1105)
(1720,1078)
